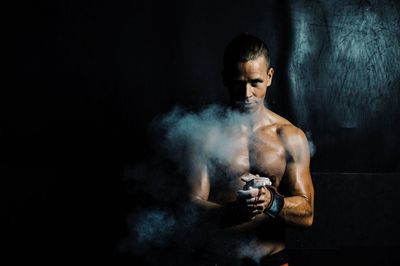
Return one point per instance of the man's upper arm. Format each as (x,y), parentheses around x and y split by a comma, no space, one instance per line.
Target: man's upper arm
(199,181)
(297,175)
(195,167)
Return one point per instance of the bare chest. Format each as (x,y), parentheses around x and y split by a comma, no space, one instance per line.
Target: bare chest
(261,153)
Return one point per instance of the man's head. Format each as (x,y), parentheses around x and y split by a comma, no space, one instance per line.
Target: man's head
(246,72)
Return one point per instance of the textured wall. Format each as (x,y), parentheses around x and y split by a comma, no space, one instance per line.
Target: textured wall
(344,73)
(344,67)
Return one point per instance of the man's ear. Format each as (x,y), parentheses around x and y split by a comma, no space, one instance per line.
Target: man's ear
(270,74)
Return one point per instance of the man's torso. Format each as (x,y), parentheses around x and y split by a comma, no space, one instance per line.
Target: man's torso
(259,152)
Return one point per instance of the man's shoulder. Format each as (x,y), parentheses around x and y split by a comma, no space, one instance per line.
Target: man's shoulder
(291,136)
(277,120)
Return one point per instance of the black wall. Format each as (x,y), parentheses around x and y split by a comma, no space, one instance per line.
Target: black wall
(84,78)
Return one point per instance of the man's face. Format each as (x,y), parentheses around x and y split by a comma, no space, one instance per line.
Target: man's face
(248,85)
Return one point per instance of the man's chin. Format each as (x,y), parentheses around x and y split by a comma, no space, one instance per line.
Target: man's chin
(248,108)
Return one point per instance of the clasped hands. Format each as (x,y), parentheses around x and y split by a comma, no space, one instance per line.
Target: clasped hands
(254,196)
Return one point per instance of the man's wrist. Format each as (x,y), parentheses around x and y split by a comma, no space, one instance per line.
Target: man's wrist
(276,204)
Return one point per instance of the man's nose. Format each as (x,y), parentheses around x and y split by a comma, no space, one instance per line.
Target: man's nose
(249,90)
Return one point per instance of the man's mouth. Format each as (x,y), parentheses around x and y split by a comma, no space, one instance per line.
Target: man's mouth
(242,103)
(248,105)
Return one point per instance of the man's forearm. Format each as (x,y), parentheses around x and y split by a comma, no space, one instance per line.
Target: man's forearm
(205,204)
(297,211)
(223,216)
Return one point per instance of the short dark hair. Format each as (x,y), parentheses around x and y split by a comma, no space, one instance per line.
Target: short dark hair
(243,48)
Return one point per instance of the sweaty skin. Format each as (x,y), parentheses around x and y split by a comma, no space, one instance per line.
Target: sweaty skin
(269,146)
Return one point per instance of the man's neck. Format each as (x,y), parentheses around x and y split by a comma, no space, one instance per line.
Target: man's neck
(259,118)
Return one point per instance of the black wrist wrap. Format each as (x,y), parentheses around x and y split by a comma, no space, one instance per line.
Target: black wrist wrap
(276,204)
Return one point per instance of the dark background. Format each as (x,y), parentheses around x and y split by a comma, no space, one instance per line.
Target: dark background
(85,78)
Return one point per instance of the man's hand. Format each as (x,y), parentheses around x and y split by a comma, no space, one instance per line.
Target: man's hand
(256,199)
(255,181)
(239,210)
